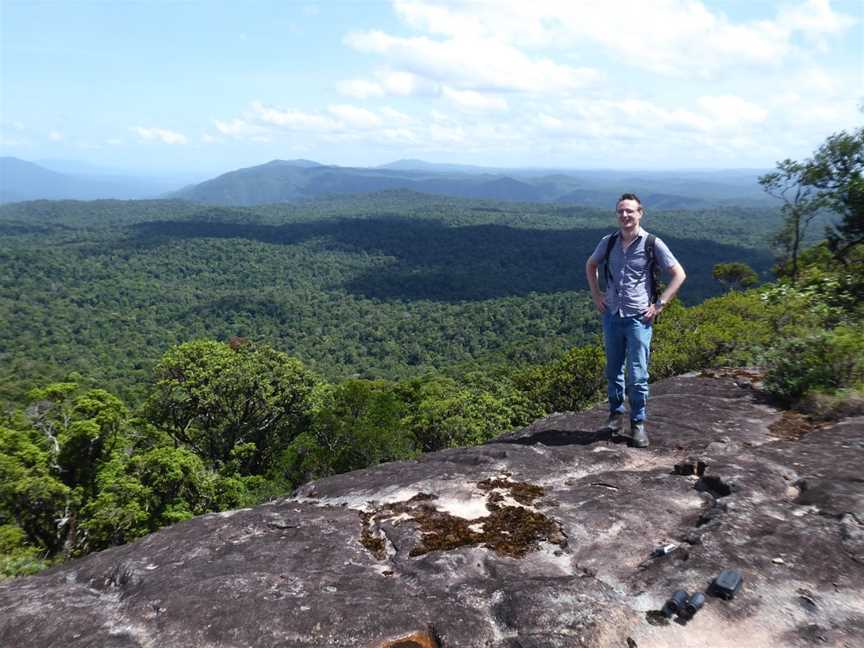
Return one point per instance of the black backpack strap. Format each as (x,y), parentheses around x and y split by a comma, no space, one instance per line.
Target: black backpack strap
(607,276)
(652,267)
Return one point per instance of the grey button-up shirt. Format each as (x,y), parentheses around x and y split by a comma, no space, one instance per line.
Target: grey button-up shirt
(629,291)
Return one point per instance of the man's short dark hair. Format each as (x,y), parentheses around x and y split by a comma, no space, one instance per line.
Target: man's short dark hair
(629,196)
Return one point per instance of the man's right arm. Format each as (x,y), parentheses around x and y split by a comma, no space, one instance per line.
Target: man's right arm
(594,285)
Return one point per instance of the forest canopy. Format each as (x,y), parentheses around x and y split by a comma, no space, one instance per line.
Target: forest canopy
(384,286)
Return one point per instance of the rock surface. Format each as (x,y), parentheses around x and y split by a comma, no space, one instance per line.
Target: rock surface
(541,538)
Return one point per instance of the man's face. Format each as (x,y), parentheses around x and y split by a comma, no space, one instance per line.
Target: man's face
(629,214)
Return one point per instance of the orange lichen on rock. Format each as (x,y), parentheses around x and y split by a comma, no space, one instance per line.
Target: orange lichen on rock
(421,639)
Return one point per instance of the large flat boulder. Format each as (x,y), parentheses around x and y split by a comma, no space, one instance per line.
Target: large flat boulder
(542,538)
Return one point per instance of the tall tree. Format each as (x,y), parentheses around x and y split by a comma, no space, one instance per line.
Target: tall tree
(834,179)
(801,204)
(735,275)
(836,171)
(239,404)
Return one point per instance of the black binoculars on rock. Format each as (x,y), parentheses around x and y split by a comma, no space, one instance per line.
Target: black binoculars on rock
(684,605)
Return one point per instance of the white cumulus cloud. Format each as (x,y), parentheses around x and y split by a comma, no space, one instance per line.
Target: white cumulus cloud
(360,88)
(291,119)
(672,37)
(472,100)
(815,17)
(581,81)
(159,135)
(355,117)
(393,116)
(465,63)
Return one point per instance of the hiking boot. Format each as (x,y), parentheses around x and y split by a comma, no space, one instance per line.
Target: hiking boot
(637,434)
(615,422)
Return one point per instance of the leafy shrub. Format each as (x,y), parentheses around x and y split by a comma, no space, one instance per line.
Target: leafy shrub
(445,414)
(359,424)
(212,397)
(730,330)
(823,361)
(572,383)
(832,407)
(735,275)
(829,292)
(17,558)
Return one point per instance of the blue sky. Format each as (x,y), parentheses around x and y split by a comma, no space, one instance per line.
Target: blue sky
(207,86)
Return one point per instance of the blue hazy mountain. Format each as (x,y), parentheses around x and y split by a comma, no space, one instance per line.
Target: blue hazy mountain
(281,181)
(295,180)
(69,179)
(436,167)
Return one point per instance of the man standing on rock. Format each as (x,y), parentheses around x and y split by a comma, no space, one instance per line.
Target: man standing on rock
(630,257)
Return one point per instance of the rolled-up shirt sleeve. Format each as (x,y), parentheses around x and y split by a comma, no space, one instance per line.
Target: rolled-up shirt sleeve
(600,251)
(665,259)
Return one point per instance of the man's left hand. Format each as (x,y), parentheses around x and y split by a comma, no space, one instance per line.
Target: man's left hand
(651,312)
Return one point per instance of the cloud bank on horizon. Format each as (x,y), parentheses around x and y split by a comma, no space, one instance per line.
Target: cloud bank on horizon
(550,83)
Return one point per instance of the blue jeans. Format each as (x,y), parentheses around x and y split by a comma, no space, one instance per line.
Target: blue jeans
(628,343)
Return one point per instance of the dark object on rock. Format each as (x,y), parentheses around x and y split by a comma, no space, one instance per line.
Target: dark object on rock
(715,485)
(727,584)
(807,600)
(691,466)
(664,550)
(657,618)
(693,605)
(675,604)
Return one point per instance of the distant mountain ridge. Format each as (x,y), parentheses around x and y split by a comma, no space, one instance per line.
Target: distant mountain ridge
(286,181)
(281,181)
(22,180)
(440,167)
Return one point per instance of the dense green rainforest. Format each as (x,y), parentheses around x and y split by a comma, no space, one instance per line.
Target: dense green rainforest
(389,286)
(163,359)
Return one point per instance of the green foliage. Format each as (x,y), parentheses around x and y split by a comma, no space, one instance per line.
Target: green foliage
(237,404)
(801,205)
(76,474)
(151,490)
(832,178)
(828,292)
(824,361)
(832,405)
(729,330)
(17,558)
(358,424)
(837,171)
(735,275)
(31,493)
(446,414)
(572,383)
(52,465)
